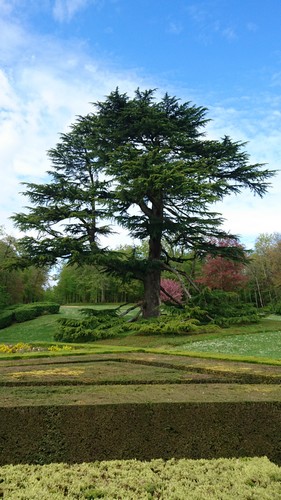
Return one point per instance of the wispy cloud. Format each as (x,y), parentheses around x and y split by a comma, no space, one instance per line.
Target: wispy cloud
(64,10)
(44,84)
(259,127)
(6,7)
(229,33)
(209,23)
(175,28)
(253,27)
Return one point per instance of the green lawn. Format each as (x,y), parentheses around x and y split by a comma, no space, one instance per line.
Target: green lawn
(41,329)
(266,345)
(259,340)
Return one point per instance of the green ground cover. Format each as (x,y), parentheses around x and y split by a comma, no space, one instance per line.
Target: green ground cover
(262,340)
(266,344)
(224,479)
(43,328)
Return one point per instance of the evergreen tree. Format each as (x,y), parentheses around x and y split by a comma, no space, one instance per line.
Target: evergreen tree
(160,176)
(67,210)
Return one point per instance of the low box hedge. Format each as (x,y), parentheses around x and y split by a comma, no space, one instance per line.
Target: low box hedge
(6,319)
(21,313)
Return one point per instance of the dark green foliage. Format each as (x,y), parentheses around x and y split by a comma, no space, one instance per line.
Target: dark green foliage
(6,319)
(141,154)
(48,307)
(99,314)
(4,297)
(99,324)
(31,311)
(276,308)
(188,312)
(175,321)
(225,308)
(221,309)
(161,326)
(27,312)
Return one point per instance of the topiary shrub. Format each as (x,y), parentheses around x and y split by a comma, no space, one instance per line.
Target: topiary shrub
(27,312)
(48,307)
(6,319)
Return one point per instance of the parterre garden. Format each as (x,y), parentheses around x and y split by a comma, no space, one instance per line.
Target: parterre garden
(159,399)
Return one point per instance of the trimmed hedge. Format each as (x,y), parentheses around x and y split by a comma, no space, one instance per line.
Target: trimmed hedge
(26,313)
(48,307)
(6,319)
(22,313)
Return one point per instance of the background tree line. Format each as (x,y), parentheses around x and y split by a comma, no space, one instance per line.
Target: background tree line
(18,285)
(258,281)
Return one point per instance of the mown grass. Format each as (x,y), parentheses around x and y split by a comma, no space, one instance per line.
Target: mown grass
(226,479)
(263,344)
(253,343)
(43,328)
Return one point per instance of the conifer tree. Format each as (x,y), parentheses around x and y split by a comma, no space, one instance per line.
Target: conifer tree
(146,165)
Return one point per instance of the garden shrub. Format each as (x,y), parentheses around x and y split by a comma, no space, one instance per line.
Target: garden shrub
(96,326)
(20,313)
(179,322)
(26,313)
(276,308)
(6,319)
(225,308)
(48,307)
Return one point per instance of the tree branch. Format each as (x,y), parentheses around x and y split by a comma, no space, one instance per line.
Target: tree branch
(171,297)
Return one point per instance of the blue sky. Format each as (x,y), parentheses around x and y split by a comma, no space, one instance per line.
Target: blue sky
(58,56)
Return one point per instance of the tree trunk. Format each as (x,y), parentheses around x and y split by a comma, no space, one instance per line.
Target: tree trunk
(151,306)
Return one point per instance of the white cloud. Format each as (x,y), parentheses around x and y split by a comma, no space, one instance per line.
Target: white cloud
(229,33)
(6,7)
(210,23)
(260,126)
(252,27)
(64,10)
(175,28)
(44,85)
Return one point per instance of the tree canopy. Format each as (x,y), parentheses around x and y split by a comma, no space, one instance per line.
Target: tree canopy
(222,273)
(145,165)
(18,285)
